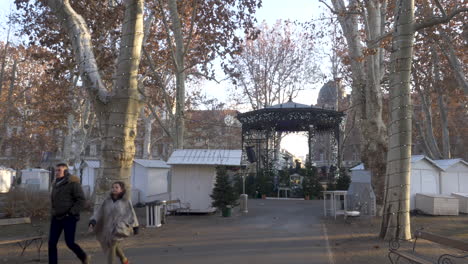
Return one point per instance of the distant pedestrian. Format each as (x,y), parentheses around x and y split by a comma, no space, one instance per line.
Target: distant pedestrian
(67,200)
(114,220)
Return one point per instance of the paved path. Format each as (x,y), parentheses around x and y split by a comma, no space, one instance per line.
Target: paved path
(274,231)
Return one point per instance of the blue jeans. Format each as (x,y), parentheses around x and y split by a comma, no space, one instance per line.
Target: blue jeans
(68,225)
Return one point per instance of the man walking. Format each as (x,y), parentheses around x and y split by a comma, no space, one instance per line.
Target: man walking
(67,200)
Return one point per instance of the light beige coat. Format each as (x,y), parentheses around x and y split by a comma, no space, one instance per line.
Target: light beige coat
(114,221)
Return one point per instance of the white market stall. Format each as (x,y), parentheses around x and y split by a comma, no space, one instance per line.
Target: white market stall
(150,180)
(194,175)
(424,178)
(35,179)
(454,176)
(89,173)
(6,179)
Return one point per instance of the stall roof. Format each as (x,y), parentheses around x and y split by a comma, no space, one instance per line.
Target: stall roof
(414,158)
(206,157)
(360,166)
(447,163)
(148,163)
(35,170)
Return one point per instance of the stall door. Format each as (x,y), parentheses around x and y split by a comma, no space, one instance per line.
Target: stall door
(449,182)
(429,182)
(463,178)
(201,187)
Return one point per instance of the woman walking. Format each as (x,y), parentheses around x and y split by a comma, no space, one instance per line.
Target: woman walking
(113,221)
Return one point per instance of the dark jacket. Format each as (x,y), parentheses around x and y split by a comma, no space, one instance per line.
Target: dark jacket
(67,197)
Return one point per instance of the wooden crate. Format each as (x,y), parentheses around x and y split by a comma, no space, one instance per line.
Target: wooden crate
(437,204)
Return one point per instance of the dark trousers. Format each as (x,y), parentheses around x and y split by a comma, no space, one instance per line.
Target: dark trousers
(68,225)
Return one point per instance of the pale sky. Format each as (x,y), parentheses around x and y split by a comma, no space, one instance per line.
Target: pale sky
(272,10)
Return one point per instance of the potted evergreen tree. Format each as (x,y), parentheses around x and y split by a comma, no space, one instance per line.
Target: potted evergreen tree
(224,197)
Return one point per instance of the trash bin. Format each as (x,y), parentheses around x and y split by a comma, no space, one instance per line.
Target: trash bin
(153,213)
(243,203)
(226,212)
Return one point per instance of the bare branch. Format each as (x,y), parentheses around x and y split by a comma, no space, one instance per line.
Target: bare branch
(423,25)
(437,3)
(329,7)
(209,77)
(439,20)
(159,121)
(158,79)
(166,27)
(342,12)
(80,37)
(192,24)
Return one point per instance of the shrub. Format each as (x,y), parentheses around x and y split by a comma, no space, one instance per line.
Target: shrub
(21,202)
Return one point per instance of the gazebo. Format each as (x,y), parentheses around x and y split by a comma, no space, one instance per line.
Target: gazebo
(262,128)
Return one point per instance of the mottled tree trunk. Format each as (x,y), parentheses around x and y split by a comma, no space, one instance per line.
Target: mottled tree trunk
(442,107)
(67,142)
(449,51)
(147,137)
(117,112)
(8,106)
(367,75)
(396,217)
(425,125)
(180,74)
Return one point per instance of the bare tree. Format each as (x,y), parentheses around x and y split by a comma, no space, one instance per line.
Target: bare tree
(396,218)
(274,67)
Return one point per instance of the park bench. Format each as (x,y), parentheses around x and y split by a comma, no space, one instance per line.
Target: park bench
(182,207)
(25,241)
(395,254)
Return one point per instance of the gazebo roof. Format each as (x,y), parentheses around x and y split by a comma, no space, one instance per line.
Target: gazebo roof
(290,116)
(289,104)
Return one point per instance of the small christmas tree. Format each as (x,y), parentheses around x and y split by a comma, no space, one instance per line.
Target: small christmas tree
(310,184)
(343,181)
(223,192)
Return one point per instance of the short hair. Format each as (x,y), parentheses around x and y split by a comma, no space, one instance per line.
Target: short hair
(62,165)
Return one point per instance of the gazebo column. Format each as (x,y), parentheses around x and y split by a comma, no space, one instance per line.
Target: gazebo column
(338,128)
(311,141)
(336,149)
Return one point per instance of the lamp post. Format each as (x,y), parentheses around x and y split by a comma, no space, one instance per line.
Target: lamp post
(244,196)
